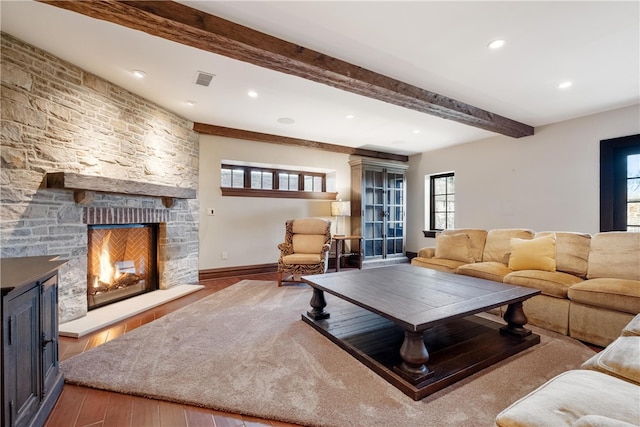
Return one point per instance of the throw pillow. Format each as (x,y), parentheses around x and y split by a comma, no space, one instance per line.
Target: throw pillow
(454,247)
(533,254)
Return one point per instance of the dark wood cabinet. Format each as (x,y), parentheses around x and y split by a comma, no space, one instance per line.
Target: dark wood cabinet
(31,379)
(378,192)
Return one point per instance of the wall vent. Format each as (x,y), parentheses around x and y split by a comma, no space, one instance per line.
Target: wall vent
(204,79)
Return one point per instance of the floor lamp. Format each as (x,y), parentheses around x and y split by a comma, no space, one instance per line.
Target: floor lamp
(340,209)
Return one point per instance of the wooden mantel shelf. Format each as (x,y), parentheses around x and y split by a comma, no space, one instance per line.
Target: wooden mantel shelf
(83,185)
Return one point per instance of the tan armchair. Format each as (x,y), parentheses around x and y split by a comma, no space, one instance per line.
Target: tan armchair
(305,249)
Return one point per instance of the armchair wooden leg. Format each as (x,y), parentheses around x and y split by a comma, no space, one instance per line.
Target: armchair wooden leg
(279,278)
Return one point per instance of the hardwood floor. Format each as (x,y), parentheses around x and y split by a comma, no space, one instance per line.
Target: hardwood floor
(81,406)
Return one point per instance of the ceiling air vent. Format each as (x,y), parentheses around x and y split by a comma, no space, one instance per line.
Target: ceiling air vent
(204,79)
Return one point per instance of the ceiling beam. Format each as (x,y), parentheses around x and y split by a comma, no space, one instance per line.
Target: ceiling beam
(191,27)
(284,140)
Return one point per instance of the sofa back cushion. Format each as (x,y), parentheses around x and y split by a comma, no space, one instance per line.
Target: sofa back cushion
(477,238)
(615,254)
(454,247)
(498,243)
(572,251)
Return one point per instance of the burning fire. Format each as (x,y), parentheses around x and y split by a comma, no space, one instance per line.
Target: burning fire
(107,272)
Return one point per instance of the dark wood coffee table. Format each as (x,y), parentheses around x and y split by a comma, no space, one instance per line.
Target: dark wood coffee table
(395,313)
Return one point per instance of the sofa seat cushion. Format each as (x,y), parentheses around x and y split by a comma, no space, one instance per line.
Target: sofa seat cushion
(555,284)
(301,259)
(446,265)
(485,270)
(613,294)
(621,359)
(566,398)
(633,328)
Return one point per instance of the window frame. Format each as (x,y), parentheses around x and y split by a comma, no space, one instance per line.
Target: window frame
(275,192)
(432,178)
(613,180)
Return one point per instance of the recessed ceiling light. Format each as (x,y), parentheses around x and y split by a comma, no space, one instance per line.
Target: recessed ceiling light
(190,103)
(416,131)
(350,116)
(496,44)
(252,94)
(139,73)
(565,85)
(286,121)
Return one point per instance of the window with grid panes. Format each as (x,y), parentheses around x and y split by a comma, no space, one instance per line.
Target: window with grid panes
(442,206)
(633,193)
(267,182)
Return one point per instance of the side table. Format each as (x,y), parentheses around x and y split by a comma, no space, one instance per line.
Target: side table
(340,249)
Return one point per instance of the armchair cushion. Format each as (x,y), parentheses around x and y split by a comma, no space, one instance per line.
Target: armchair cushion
(308,243)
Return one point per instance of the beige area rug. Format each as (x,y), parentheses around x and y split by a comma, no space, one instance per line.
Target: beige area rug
(245,350)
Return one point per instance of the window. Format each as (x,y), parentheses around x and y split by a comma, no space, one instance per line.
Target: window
(620,184)
(253,181)
(633,192)
(441,203)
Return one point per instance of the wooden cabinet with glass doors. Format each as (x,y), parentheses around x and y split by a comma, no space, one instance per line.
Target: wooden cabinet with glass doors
(378,207)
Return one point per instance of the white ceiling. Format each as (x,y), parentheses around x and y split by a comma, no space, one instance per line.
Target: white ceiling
(436,45)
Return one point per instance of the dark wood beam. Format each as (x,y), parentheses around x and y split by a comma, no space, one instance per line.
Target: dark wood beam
(284,140)
(191,27)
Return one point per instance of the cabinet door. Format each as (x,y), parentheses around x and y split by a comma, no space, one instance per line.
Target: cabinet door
(49,338)
(394,213)
(22,351)
(373,204)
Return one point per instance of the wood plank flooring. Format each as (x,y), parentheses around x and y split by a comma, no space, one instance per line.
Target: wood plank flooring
(81,406)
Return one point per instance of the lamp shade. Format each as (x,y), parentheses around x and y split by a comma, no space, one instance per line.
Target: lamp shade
(340,208)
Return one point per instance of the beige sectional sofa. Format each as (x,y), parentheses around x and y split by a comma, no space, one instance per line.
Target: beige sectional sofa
(590,284)
(604,392)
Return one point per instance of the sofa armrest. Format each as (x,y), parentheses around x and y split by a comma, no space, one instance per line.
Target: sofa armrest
(429,252)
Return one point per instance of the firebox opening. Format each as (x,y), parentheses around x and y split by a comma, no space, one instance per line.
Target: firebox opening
(122,262)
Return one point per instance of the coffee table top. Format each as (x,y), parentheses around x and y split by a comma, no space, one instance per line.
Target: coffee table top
(418,298)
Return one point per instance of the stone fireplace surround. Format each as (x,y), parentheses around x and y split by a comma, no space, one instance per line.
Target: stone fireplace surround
(58,118)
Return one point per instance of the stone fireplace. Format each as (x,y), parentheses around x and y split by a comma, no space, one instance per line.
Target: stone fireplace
(136,164)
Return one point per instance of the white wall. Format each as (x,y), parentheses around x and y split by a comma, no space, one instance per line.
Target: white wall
(548,181)
(250,228)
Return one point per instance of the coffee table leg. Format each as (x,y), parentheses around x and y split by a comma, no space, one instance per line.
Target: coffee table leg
(516,319)
(318,303)
(414,358)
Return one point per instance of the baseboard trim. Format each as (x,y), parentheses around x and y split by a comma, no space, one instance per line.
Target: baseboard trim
(242,270)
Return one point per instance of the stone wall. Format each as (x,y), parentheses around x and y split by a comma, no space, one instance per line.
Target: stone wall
(57,117)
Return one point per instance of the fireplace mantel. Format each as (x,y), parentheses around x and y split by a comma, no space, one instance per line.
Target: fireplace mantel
(83,185)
